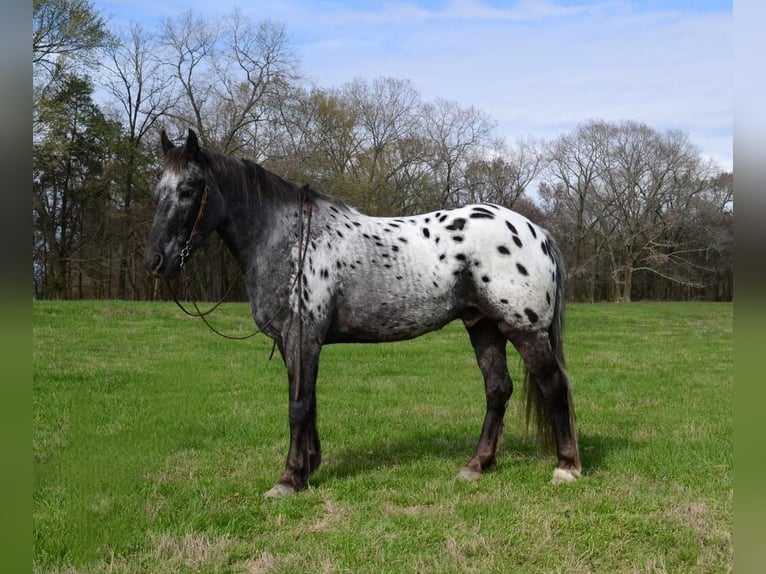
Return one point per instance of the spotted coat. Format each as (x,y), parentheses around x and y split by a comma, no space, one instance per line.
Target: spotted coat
(381,278)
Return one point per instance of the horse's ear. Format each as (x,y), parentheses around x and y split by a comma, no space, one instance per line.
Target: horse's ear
(167,145)
(192,144)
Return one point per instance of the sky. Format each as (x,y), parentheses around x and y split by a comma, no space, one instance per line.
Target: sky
(538,68)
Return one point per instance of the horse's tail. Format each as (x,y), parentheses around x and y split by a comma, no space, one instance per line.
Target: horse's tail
(537,410)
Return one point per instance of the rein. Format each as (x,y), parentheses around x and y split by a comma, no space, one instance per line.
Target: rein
(302,249)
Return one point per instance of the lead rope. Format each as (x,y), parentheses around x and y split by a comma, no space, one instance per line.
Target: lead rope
(302,249)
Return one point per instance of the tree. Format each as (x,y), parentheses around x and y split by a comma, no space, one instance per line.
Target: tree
(65,29)
(454,135)
(650,179)
(504,178)
(68,191)
(227,73)
(625,194)
(572,180)
(135,79)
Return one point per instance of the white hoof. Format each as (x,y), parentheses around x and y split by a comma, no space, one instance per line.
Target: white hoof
(563,475)
(467,473)
(279,490)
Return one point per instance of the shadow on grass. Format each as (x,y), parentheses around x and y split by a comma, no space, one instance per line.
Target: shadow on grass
(597,450)
(457,448)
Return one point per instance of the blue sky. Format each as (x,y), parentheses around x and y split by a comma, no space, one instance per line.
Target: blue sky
(537,67)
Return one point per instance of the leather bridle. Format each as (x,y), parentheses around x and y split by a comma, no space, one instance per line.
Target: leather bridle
(186,251)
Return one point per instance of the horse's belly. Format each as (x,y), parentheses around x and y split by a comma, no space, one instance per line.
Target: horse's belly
(389,317)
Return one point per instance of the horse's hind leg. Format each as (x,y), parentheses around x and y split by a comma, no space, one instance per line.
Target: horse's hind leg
(549,400)
(489,345)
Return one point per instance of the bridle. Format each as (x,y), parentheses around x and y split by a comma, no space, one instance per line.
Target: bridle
(186,251)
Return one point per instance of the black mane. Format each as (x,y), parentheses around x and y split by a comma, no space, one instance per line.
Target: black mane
(248,177)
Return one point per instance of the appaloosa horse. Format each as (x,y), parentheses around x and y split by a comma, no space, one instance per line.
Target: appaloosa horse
(318,271)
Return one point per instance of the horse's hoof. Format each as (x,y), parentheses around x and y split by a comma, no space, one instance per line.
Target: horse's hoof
(279,490)
(563,475)
(467,473)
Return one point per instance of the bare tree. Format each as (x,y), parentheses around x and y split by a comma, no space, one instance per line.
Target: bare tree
(573,193)
(228,73)
(135,79)
(454,135)
(504,178)
(190,44)
(648,177)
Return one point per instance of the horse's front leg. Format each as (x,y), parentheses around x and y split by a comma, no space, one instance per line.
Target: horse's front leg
(304,456)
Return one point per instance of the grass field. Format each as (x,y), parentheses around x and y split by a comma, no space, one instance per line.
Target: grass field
(154,439)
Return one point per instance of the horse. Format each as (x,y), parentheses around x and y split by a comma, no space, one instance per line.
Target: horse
(318,272)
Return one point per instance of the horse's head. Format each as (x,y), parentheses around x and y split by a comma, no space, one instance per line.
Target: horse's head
(189,207)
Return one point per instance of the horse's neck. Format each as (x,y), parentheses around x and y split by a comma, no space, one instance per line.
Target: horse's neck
(252,222)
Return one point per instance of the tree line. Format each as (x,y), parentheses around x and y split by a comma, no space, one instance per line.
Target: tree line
(639,213)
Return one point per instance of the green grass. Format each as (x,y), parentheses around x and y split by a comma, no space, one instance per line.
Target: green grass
(154,439)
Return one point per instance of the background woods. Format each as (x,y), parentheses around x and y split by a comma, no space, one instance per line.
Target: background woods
(639,213)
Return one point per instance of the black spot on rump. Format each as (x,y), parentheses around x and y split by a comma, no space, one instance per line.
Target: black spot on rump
(503,250)
(504,301)
(426,233)
(512,227)
(457,238)
(531,315)
(517,241)
(457,224)
(548,297)
(485,279)
(544,247)
(532,229)
(460,256)
(442,218)
(522,269)
(481,214)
